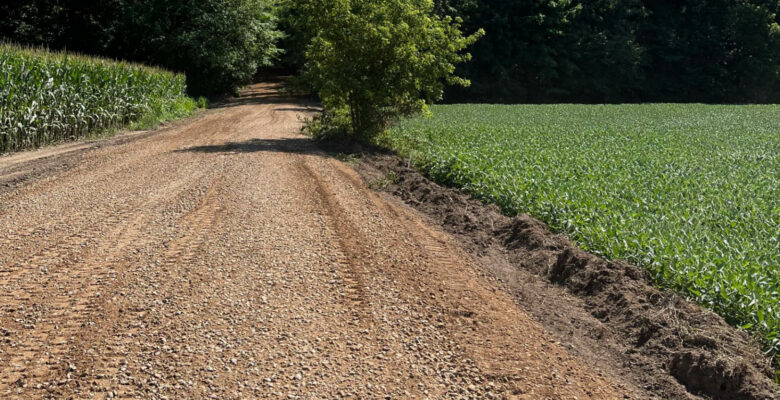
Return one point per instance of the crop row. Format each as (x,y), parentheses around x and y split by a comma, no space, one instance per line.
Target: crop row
(48,97)
(690,192)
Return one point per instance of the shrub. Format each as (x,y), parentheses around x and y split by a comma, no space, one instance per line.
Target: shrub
(374,60)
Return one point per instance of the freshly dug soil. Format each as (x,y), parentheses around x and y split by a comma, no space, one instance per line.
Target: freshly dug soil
(608,314)
(230,258)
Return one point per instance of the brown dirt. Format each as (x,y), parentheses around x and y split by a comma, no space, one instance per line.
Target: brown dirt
(607,314)
(229,257)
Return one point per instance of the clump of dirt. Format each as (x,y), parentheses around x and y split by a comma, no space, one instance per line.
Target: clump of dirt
(609,313)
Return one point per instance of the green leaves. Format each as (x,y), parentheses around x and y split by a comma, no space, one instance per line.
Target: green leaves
(691,192)
(49,97)
(378,60)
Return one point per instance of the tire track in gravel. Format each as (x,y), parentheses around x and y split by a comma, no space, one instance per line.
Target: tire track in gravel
(499,338)
(99,369)
(350,262)
(103,163)
(126,323)
(230,258)
(63,314)
(58,230)
(88,255)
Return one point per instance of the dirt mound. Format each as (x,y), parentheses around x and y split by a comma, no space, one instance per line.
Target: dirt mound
(609,312)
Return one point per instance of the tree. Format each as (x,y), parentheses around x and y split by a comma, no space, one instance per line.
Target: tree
(373,60)
(219,44)
(549,50)
(711,50)
(620,50)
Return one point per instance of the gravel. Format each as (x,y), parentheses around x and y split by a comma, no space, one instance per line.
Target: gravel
(229,258)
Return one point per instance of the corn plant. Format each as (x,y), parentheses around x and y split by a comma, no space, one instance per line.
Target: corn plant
(48,97)
(690,192)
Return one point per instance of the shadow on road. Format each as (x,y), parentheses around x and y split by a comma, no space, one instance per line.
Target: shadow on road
(276,95)
(306,109)
(286,145)
(302,145)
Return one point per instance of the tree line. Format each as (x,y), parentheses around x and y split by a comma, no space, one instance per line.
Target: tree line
(532,50)
(219,44)
(620,50)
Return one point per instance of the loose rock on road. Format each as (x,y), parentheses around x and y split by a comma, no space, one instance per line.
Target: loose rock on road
(228,258)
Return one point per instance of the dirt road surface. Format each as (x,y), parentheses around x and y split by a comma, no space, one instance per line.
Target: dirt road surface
(227,257)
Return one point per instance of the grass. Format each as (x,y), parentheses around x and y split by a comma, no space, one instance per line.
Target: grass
(170,110)
(48,97)
(690,192)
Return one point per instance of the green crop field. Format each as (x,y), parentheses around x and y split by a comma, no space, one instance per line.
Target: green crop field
(691,192)
(48,97)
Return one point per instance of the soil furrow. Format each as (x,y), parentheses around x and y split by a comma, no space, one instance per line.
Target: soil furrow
(229,257)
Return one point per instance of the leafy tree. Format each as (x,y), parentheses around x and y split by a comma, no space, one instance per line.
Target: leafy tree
(84,26)
(606,53)
(373,60)
(620,50)
(219,44)
(711,50)
(549,50)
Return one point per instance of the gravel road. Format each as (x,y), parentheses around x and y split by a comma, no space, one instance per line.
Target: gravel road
(228,258)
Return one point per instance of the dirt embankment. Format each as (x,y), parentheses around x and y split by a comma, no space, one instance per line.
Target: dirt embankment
(607,313)
(229,257)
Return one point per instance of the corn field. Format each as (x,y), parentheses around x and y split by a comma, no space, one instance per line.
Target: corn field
(689,191)
(48,97)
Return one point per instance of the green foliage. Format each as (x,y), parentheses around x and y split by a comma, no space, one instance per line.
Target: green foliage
(691,192)
(50,97)
(620,50)
(712,50)
(219,44)
(374,60)
(83,26)
(546,50)
(166,110)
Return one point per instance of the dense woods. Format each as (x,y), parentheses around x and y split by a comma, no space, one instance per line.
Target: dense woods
(620,50)
(219,44)
(533,50)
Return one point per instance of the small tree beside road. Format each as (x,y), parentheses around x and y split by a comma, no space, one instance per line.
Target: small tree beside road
(374,60)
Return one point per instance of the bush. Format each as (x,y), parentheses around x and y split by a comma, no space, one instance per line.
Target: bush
(48,97)
(374,60)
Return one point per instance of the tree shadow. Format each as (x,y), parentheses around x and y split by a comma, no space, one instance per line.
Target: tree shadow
(257,98)
(272,91)
(302,145)
(283,145)
(302,109)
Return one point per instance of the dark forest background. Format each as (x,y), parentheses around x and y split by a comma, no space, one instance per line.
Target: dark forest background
(219,44)
(621,50)
(533,50)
